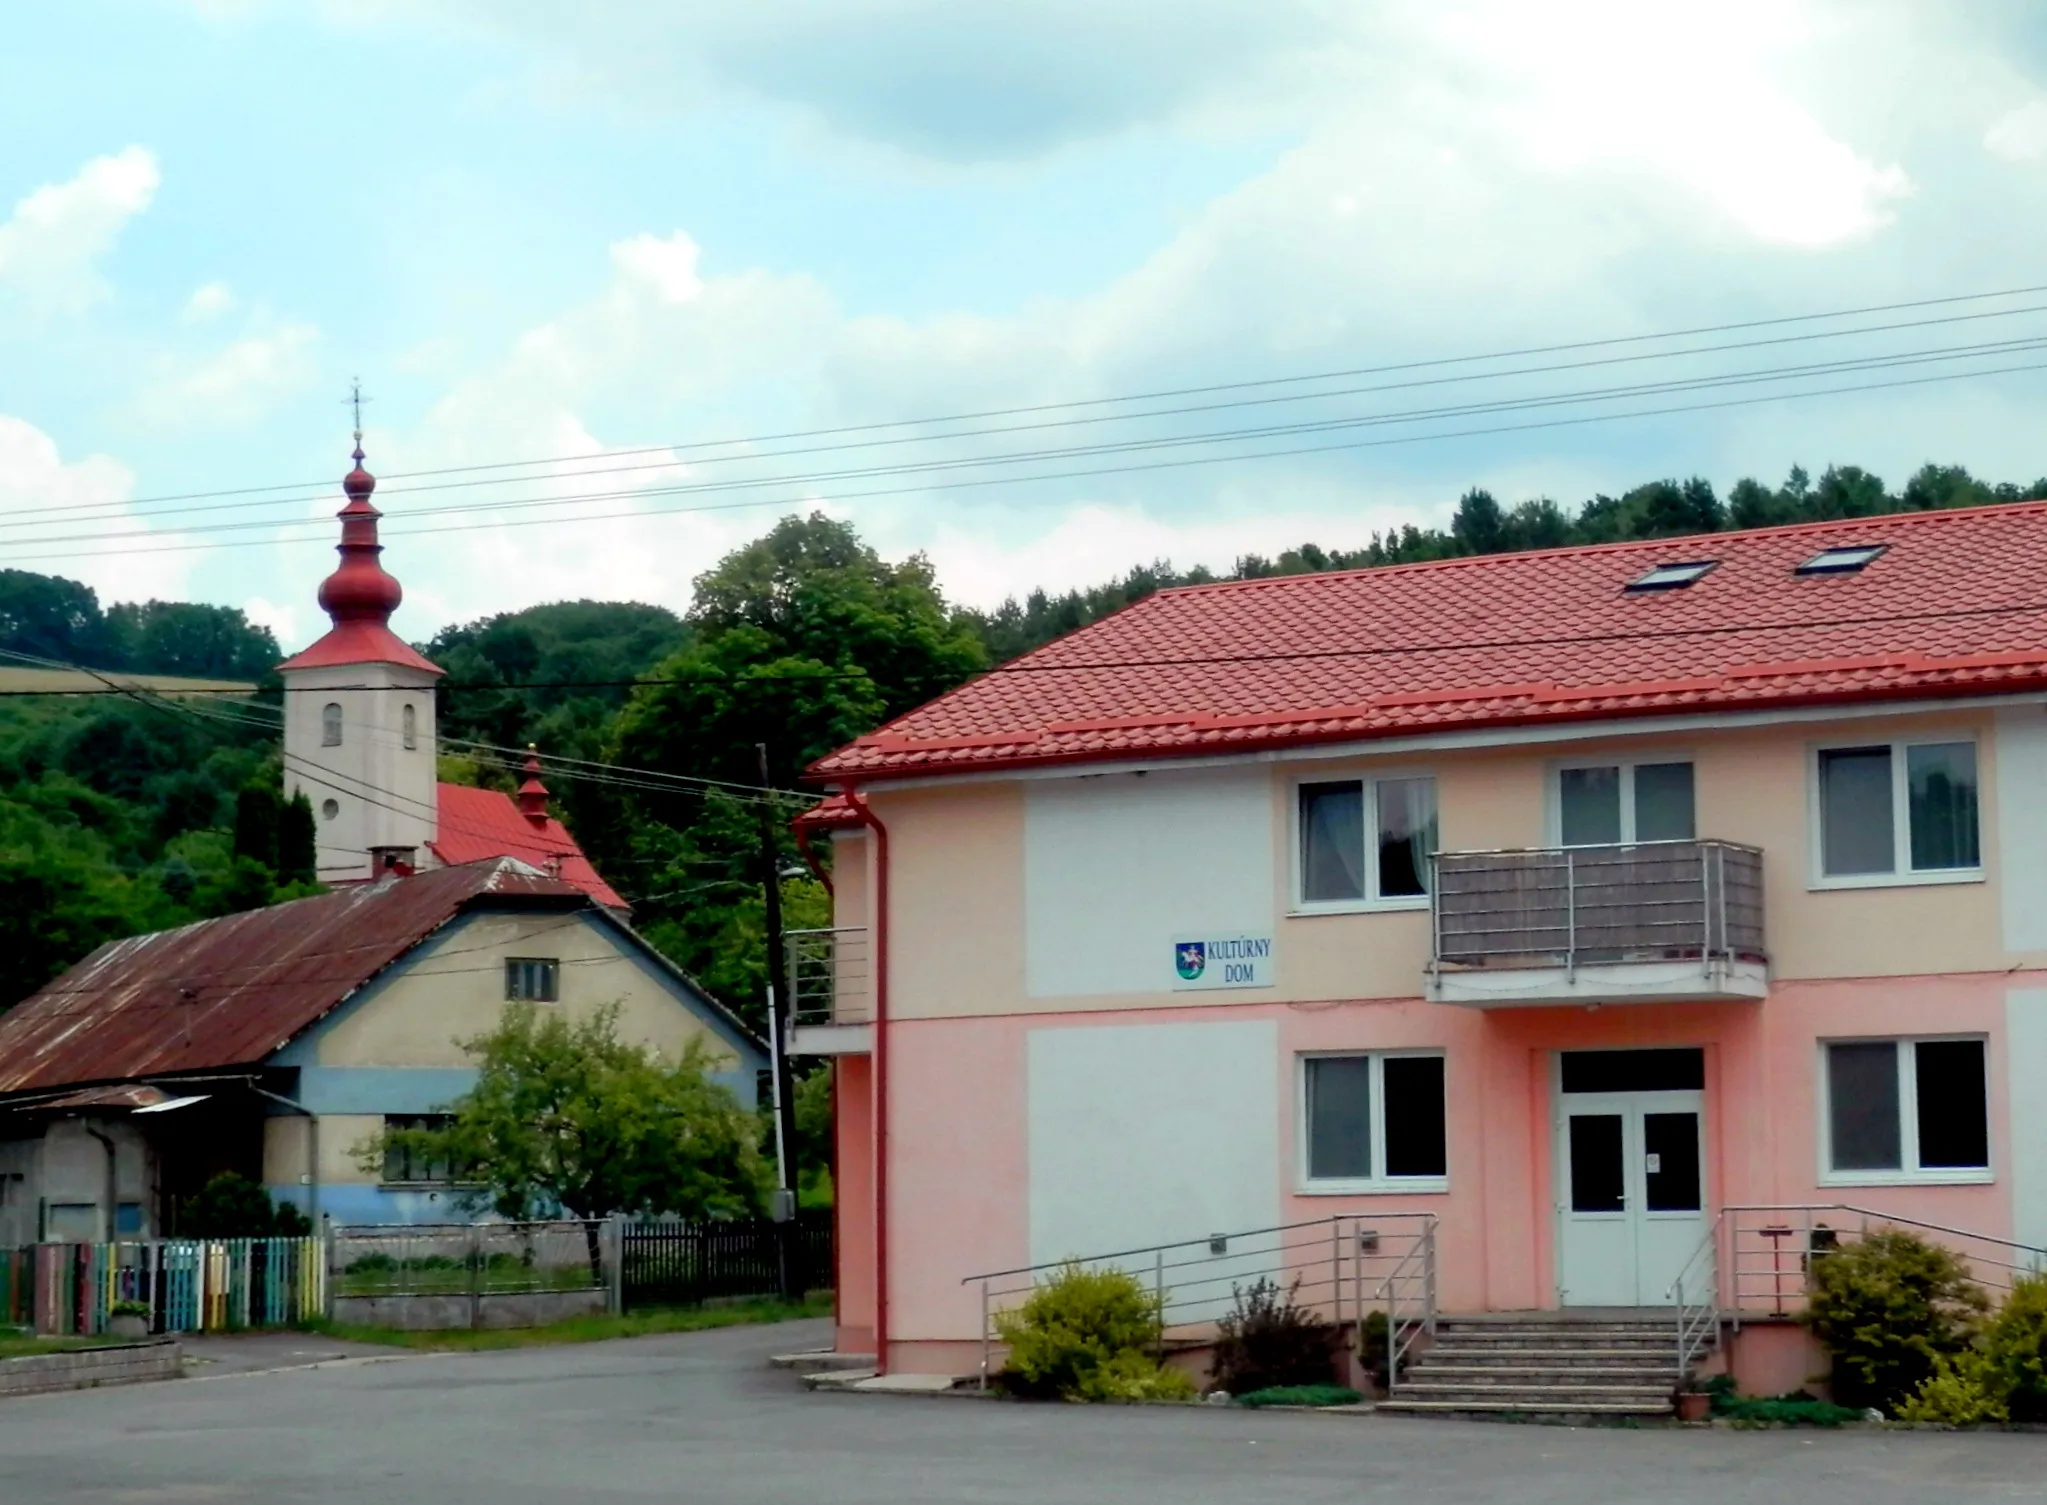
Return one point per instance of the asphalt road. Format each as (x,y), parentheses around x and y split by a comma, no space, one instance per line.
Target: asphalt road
(699,1417)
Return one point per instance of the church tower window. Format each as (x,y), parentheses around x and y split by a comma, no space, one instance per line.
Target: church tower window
(330,724)
(409,720)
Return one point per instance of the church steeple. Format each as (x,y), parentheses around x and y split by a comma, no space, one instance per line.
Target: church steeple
(359,738)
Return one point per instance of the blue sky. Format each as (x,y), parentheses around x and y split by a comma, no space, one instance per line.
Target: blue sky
(538,230)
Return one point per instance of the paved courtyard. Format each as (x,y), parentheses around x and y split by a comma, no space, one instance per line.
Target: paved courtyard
(699,1417)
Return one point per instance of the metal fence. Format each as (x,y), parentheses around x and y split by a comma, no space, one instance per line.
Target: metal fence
(675,1263)
(830,976)
(1566,905)
(185,1285)
(468,1259)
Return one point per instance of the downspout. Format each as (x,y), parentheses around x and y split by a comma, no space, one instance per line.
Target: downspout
(312,1149)
(880,1072)
(113,1181)
(810,861)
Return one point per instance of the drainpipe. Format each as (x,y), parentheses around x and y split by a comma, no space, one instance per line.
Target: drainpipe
(112,1219)
(810,859)
(312,1148)
(880,1072)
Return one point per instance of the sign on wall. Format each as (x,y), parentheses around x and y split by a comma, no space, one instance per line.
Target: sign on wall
(1225,959)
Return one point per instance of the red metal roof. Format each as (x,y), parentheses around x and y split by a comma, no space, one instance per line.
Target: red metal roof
(360,643)
(832,813)
(475,824)
(232,991)
(1955,605)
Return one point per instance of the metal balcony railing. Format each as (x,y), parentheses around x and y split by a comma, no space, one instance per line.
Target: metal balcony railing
(831,980)
(1572,906)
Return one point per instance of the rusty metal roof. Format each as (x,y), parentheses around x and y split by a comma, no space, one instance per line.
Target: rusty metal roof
(232,991)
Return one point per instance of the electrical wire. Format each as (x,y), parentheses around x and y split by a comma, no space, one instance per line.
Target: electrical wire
(944,466)
(1158,394)
(815,499)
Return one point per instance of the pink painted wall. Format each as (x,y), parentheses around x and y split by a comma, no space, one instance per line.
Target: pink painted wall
(853,1190)
(959,1184)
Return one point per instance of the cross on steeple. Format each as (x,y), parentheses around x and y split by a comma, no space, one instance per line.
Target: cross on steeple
(355,400)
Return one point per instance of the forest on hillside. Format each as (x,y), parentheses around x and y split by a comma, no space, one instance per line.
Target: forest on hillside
(120,814)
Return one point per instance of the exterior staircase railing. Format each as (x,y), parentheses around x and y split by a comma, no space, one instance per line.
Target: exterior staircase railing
(1696,1296)
(1343,1267)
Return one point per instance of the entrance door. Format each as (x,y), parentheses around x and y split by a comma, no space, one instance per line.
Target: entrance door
(1630,1176)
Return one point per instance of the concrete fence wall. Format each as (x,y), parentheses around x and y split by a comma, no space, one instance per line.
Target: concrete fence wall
(90,1368)
(487,1309)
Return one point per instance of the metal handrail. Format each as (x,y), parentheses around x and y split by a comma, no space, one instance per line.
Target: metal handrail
(1783,1284)
(1315,1261)
(1698,1323)
(1401,1336)
(828,979)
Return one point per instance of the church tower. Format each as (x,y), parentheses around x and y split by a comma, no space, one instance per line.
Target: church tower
(359,713)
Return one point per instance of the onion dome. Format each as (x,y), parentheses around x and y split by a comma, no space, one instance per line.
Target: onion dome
(360,590)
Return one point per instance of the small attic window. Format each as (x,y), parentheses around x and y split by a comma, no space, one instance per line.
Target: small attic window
(1842,561)
(1671,577)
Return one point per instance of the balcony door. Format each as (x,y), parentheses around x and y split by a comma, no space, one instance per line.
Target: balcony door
(1630,1174)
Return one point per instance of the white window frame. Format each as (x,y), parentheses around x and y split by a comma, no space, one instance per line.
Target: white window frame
(1381,1183)
(1554,815)
(1902,874)
(1908,1114)
(1298,902)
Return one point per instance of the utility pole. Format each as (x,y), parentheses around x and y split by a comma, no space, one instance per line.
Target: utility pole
(778,1036)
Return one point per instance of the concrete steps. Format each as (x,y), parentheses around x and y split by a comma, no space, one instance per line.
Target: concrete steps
(1542,1366)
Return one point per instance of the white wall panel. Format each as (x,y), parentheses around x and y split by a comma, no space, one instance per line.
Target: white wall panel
(1148,1134)
(2022,825)
(1116,866)
(2025,1058)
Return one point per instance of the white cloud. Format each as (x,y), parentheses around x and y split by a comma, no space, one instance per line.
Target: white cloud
(2021,134)
(235,384)
(208,302)
(667,265)
(51,245)
(47,497)
(281,620)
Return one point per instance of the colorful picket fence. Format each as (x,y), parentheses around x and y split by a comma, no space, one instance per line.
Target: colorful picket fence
(188,1285)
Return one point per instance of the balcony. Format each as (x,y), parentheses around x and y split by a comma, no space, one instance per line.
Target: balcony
(831,992)
(1654,922)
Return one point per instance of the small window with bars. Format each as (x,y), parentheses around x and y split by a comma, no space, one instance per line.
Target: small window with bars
(533,979)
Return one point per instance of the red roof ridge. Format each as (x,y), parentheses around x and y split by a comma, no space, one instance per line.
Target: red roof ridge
(1575,550)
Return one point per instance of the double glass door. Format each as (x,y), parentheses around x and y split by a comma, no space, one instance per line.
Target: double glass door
(1631,1184)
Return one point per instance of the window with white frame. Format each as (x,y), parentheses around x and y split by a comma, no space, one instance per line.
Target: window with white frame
(533,979)
(1907,1109)
(1609,804)
(1366,841)
(1372,1121)
(1897,809)
(411,1162)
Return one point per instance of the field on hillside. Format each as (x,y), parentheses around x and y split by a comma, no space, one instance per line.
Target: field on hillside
(22,680)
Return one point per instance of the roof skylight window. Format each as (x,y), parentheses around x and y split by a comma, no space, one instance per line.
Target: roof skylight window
(1845,560)
(1671,577)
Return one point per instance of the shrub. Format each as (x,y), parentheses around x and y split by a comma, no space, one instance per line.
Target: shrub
(2015,1343)
(1795,1408)
(130,1309)
(1887,1308)
(1075,1323)
(1268,1340)
(1133,1376)
(1301,1395)
(233,1206)
(1964,1390)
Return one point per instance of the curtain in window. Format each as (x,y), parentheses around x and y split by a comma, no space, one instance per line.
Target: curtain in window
(1590,801)
(1407,836)
(1332,841)
(1339,1117)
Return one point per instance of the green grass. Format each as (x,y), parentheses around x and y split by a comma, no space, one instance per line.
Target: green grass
(21,1345)
(1301,1395)
(581,1329)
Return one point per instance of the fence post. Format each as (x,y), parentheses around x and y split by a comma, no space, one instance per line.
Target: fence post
(475,1275)
(615,1301)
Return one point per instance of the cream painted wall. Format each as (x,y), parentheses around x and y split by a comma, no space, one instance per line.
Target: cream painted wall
(455,991)
(961,860)
(284,1149)
(383,791)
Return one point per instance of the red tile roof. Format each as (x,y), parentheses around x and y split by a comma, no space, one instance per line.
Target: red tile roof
(232,991)
(832,813)
(479,823)
(360,643)
(1956,605)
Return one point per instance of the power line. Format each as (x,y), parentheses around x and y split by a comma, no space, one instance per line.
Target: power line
(813,499)
(1157,394)
(943,466)
(22,518)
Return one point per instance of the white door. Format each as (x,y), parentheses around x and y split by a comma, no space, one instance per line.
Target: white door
(1631,1195)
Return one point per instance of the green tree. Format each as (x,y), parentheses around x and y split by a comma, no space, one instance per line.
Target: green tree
(297,841)
(566,1118)
(233,1206)
(257,815)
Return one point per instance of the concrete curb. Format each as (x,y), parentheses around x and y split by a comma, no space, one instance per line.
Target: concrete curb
(92,1368)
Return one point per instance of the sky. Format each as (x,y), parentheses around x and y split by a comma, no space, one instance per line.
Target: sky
(546,233)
